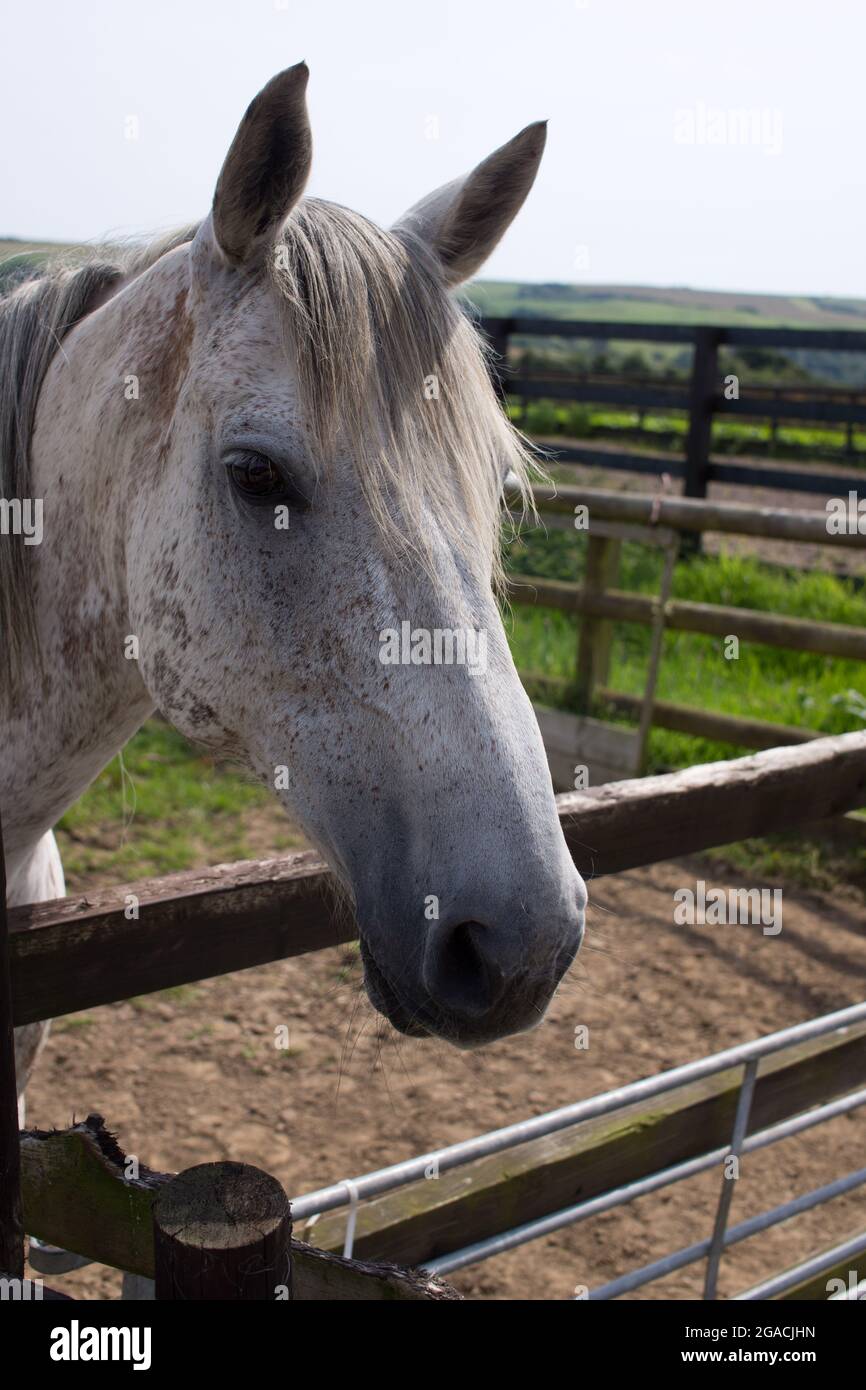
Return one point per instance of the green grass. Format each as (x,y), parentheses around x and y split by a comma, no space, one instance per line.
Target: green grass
(824,694)
(790,858)
(162,807)
(729,436)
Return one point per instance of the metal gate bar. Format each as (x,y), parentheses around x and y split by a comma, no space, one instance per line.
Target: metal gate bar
(726,1196)
(668,1264)
(780,1283)
(568,1216)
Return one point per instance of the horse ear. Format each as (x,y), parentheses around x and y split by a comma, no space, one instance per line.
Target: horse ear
(265,170)
(463,221)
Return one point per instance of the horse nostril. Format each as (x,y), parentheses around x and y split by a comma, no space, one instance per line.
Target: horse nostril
(460,975)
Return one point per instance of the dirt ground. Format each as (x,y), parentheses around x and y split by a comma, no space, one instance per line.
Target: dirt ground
(192,1074)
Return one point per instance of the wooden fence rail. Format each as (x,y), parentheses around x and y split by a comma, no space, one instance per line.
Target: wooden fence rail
(712,619)
(76,953)
(690,514)
(681,719)
(829,484)
(77,1193)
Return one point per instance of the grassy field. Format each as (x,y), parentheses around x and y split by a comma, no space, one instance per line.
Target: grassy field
(691,307)
(14,246)
(657,304)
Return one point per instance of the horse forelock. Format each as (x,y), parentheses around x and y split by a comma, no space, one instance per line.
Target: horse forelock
(391,370)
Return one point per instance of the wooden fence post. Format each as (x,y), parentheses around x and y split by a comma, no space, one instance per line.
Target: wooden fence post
(498,332)
(11,1220)
(222,1231)
(702,391)
(594,634)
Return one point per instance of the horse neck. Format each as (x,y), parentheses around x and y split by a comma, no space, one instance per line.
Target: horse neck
(94,442)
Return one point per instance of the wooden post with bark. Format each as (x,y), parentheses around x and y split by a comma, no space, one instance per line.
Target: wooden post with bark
(595,634)
(702,392)
(498,339)
(223,1231)
(79,1194)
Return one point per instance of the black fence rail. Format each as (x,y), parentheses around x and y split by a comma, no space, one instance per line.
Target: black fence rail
(702,398)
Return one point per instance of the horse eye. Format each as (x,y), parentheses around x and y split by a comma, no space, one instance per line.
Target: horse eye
(254,475)
(258,478)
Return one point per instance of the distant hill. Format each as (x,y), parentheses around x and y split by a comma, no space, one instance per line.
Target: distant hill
(17,246)
(639,303)
(626,303)
(644,304)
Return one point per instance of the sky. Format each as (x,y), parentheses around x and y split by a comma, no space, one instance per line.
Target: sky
(715,146)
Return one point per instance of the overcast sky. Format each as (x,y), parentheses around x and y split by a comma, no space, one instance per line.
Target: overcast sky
(653,173)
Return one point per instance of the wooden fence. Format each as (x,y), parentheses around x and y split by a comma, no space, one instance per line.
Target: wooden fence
(599,603)
(73,954)
(702,398)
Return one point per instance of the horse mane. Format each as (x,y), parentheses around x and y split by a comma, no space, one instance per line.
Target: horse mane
(37,311)
(383,353)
